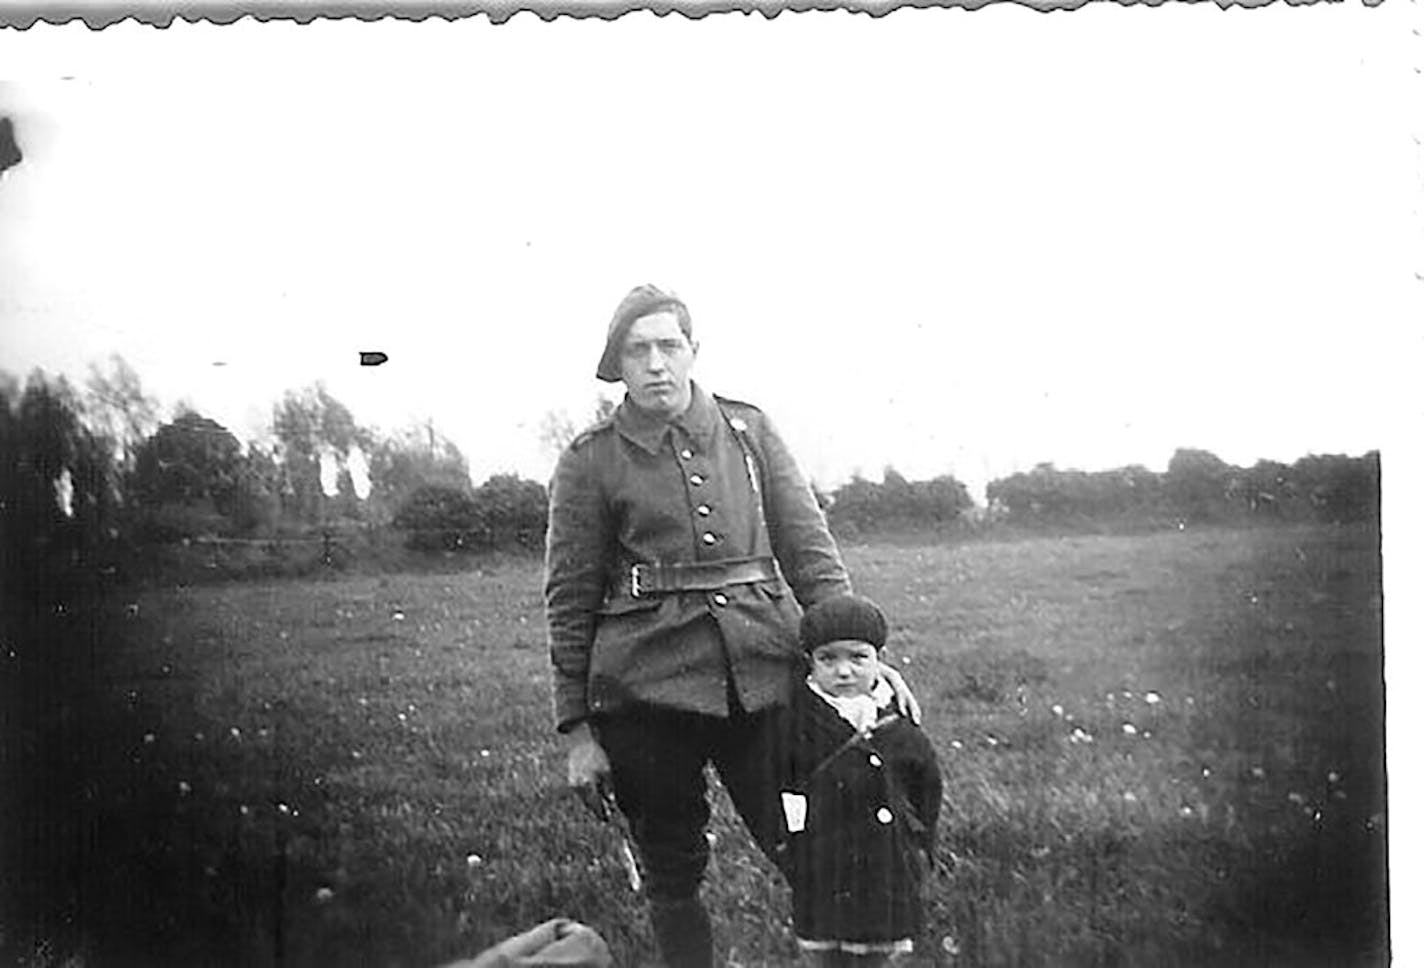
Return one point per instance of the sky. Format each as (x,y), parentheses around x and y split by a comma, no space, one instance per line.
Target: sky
(946,241)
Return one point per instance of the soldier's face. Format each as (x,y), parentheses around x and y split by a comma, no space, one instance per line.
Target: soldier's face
(846,667)
(657,364)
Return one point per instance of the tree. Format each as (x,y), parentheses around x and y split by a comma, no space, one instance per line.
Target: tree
(513,511)
(117,409)
(557,429)
(402,462)
(187,477)
(1340,488)
(309,423)
(897,503)
(439,517)
(56,483)
(1196,484)
(505,511)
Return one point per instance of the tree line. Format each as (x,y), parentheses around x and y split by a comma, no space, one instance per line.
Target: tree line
(88,470)
(1197,488)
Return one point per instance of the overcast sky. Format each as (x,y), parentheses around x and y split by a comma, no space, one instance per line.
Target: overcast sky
(949,241)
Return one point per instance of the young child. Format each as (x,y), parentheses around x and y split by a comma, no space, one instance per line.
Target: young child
(860,795)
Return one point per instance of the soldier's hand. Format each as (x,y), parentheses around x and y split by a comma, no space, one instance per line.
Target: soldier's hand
(905,700)
(590,774)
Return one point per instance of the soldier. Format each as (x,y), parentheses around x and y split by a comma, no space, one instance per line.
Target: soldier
(676,528)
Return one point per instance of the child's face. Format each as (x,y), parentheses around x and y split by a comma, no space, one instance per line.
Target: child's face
(845,667)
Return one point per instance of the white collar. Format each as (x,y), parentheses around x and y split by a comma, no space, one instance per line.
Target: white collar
(860,711)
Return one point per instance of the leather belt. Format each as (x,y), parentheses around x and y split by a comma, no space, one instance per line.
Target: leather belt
(698,576)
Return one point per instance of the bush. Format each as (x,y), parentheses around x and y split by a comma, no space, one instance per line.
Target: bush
(439,517)
(506,511)
(513,512)
(896,504)
(177,521)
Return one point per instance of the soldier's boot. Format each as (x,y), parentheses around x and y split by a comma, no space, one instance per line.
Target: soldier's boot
(684,933)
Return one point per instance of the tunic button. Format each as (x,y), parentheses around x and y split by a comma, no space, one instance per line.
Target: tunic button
(708,538)
(874,760)
(884,815)
(719,598)
(704,510)
(685,454)
(697,480)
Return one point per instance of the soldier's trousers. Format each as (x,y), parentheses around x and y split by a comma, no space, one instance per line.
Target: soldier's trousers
(658,758)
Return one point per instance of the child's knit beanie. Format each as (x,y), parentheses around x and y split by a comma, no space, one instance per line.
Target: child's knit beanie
(843,617)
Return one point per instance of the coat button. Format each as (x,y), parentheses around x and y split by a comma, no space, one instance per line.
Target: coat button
(697,480)
(704,510)
(884,815)
(719,598)
(685,453)
(874,759)
(708,538)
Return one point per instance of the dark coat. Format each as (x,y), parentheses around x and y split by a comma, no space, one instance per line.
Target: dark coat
(872,802)
(633,489)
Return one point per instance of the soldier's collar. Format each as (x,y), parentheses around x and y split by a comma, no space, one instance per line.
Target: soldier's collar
(648,431)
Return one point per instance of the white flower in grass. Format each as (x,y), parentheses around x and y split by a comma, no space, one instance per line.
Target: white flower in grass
(1258,773)
(1129,797)
(198,737)
(1057,710)
(1152,698)
(1126,694)
(184,787)
(324,894)
(285,810)
(1129,729)
(235,733)
(1314,815)
(398,616)
(1206,771)
(356,754)
(484,754)
(991,740)
(473,860)
(1333,777)
(1185,811)
(950,946)
(244,809)
(149,738)
(956,744)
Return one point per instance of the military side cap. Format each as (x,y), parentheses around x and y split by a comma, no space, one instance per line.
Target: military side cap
(640,302)
(843,617)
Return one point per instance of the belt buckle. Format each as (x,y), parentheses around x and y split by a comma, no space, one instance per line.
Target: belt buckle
(635,583)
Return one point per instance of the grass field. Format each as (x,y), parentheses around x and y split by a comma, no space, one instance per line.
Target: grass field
(1162,749)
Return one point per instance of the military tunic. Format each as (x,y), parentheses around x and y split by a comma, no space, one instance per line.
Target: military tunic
(715,484)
